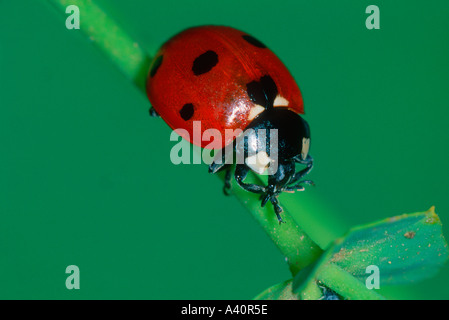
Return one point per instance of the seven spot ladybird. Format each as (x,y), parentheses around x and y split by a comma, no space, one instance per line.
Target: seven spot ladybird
(227,79)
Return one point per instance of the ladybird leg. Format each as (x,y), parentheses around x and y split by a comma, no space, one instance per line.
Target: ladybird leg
(298,175)
(153,113)
(217,165)
(241,171)
(227,181)
(272,194)
(296,187)
(264,198)
(273,197)
(308,159)
(277,208)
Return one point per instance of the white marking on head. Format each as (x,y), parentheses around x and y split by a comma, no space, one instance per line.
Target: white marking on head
(305,148)
(280,101)
(258,162)
(255,111)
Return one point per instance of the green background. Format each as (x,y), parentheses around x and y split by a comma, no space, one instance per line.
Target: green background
(85,173)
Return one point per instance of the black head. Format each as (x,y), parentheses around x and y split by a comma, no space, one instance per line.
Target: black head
(277,137)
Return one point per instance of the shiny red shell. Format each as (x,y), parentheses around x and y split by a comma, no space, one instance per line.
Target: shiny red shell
(218,97)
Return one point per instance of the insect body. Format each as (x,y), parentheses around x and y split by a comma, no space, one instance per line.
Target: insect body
(228,79)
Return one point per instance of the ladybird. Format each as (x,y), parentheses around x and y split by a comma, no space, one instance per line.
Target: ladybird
(228,79)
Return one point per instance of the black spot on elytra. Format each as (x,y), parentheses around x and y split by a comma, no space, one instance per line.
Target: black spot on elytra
(156,64)
(205,62)
(187,111)
(253,41)
(262,92)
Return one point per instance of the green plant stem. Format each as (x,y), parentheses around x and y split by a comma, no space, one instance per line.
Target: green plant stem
(126,54)
(293,242)
(311,292)
(345,284)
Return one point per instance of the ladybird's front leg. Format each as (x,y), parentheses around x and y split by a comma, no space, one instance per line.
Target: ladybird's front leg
(300,174)
(221,159)
(299,186)
(216,166)
(241,171)
(277,208)
(227,181)
(268,193)
(272,195)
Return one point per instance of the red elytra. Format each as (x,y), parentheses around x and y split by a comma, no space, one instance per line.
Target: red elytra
(202,74)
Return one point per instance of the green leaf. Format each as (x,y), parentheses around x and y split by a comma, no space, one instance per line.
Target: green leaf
(323,273)
(406,248)
(286,291)
(281,291)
